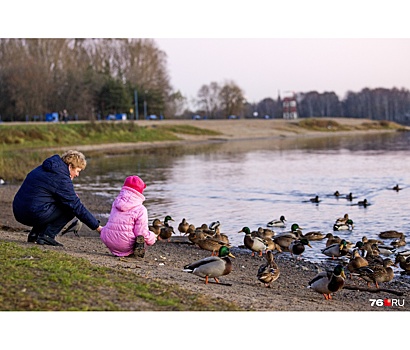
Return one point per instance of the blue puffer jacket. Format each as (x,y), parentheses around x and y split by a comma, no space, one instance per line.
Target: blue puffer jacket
(46,187)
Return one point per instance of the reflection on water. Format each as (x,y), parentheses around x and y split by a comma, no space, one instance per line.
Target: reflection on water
(249,183)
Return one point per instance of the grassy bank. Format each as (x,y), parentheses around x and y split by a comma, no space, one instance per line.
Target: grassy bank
(34,279)
(24,146)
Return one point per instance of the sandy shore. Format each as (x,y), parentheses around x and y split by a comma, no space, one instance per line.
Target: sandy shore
(164,261)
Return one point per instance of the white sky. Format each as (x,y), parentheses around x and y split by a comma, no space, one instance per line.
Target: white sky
(263,67)
(265,47)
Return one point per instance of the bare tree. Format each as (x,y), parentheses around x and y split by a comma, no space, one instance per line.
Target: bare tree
(208,99)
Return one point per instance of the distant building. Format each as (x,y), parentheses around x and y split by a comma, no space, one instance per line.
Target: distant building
(289,107)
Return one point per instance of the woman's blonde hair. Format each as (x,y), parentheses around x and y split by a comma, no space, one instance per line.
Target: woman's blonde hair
(75,158)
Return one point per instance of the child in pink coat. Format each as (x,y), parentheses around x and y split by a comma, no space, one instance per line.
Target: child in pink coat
(126,231)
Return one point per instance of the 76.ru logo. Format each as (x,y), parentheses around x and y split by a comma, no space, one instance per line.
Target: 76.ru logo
(386,302)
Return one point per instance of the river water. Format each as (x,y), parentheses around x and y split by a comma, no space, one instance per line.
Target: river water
(249,183)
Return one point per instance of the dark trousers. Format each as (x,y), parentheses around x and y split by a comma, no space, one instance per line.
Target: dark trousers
(54,223)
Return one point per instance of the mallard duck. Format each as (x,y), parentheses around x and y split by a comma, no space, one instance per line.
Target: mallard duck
(377,273)
(405,253)
(255,244)
(356,261)
(331,239)
(156,226)
(263,233)
(349,196)
(221,237)
(391,234)
(167,230)
(371,240)
(277,223)
(372,255)
(364,203)
(73,226)
(204,227)
(403,262)
(212,266)
(295,231)
(396,188)
(297,247)
(183,227)
(336,250)
(386,250)
(314,199)
(284,240)
(269,271)
(349,225)
(197,235)
(343,220)
(271,245)
(211,244)
(214,225)
(336,194)
(295,227)
(191,228)
(314,236)
(398,242)
(328,282)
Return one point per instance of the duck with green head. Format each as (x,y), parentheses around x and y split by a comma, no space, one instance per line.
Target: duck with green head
(336,250)
(212,266)
(255,244)
(348,225)
(281,222)
(328,282)
(297,247)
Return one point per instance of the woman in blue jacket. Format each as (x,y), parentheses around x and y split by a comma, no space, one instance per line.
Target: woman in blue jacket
(47,201)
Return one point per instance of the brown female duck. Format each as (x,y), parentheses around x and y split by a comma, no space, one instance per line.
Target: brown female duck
(269,271)
(167,230)
(377,273)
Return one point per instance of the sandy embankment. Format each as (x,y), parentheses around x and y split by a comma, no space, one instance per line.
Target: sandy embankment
(164,261)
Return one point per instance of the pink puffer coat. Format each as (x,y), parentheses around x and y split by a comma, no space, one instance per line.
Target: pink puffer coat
(128,219)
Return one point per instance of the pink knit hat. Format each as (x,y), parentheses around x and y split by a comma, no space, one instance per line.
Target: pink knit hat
(135,183)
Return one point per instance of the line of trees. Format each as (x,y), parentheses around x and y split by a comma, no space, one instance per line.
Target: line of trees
(92,78)
(88,77)
(378,104)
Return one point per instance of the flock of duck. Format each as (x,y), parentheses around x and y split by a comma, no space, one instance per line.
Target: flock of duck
(368,259)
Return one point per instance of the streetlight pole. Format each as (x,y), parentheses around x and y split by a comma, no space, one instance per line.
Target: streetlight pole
(136,104)
(145,104)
